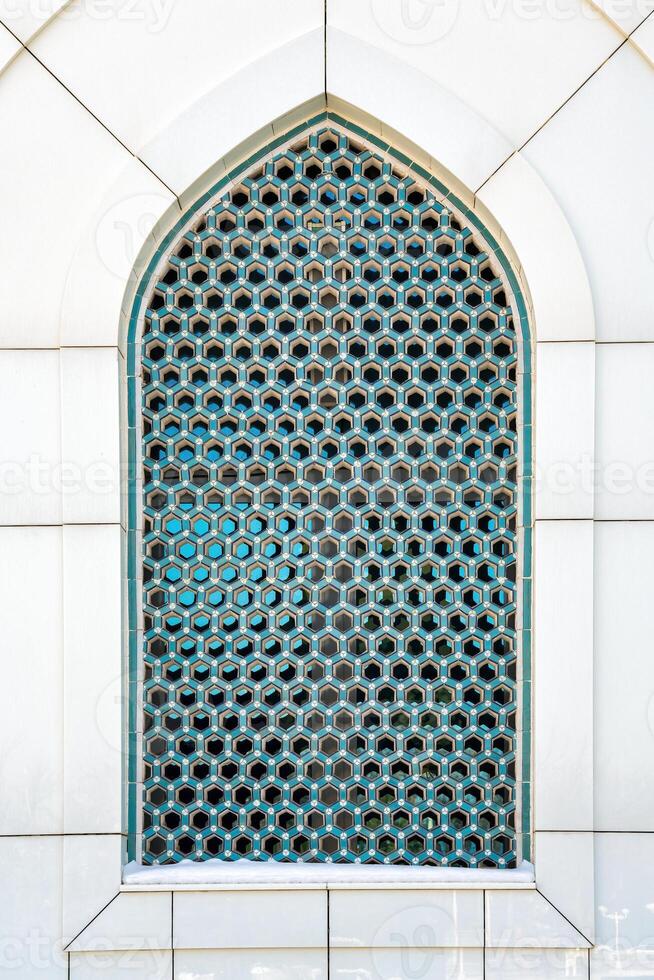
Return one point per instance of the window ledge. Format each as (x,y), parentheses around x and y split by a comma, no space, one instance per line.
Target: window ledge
(204,875)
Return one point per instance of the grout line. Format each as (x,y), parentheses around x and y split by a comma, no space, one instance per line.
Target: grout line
(64,347)
(117,347)
(563,520)
(160,179)
(324,35)
(98,120)
(627,35)
(65,524)
(483,958)
(563,104)
(46,23)
(71,941)
(172,935)
(599,10)
(572,340)
(63,676)
(537,520)
(79,101)
(569,921)
(618,343)
(496,171)
(106,833)
(13,34)
(329,937)
(91,113)
(62,596)
(594,520)
(591,340)
(59,348)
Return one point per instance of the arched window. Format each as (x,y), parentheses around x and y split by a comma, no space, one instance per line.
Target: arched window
(329,369)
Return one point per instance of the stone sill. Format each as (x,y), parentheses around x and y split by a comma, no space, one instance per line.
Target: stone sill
(244,875)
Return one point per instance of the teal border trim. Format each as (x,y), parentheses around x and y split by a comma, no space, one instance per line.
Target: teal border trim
(524,726)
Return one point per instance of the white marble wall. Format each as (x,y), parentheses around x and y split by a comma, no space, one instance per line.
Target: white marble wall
(112,114)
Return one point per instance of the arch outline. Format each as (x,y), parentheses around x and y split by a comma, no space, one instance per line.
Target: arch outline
(525,456)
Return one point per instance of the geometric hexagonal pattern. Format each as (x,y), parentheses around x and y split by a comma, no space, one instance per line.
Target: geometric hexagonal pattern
(329,445)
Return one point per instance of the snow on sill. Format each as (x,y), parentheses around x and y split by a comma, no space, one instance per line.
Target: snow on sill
(276,873)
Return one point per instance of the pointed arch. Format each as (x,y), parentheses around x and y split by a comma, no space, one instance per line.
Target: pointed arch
(395,272)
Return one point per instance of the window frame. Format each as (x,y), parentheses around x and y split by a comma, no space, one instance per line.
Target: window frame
(524,531)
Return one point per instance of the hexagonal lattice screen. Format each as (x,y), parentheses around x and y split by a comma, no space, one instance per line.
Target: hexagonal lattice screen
(329,524)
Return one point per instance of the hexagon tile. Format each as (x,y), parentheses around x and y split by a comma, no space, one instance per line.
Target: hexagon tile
(329,433)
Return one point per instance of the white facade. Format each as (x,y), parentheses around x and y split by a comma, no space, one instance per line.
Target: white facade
(114,115)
